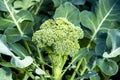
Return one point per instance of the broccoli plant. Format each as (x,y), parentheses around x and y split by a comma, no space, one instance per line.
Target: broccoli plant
(59,38)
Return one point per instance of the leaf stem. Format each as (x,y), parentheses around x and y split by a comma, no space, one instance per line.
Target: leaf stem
(26,77)
(39,54)
(69,65)
(84,68)
(38,8)
(42,69)
(26,45)
(31,75)
(88,46)
(15,21)
(74,73)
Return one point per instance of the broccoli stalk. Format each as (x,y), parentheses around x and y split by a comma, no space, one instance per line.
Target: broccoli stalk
(58,62)
(59,38)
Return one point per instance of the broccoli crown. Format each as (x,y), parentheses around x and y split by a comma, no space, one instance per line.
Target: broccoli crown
(58,36)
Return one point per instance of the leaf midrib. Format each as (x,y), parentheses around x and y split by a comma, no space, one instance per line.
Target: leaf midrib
(101,22)
(13,17)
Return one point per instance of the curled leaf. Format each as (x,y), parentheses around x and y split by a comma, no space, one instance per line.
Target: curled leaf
(16,61)
(107,66)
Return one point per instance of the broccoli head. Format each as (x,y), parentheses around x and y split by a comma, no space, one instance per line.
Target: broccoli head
(58,36)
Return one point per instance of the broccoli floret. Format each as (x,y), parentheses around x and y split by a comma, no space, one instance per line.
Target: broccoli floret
(60,35)
(59,38)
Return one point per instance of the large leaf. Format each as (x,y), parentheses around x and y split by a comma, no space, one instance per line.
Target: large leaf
(24,15)
(106,13)
(107,66)
(12,12)
(113,44)
(68,11)
(13,35)
(6,23)
(5,74)
(19,17)
(19,50)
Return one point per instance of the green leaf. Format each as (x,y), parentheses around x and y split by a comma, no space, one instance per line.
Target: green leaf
(113,43)
(39,71)
(37,78)
(18,49)
(18,4)
(113,39)
(107,66)
(92,74)
(4,47)
(6,23)
(78,2)
(113,54)
(12,12)
(58,2)
(105,17)
(95,77)
(24,4)
(68,11)
(89,74)
(16,61)
(6,64)
(82,53)
(27,27)
(5,3)
(5,74)
(24,15)
(12,35)
(100,41)
(2,6)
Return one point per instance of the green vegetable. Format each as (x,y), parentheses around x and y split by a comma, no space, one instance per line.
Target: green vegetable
(59,38)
